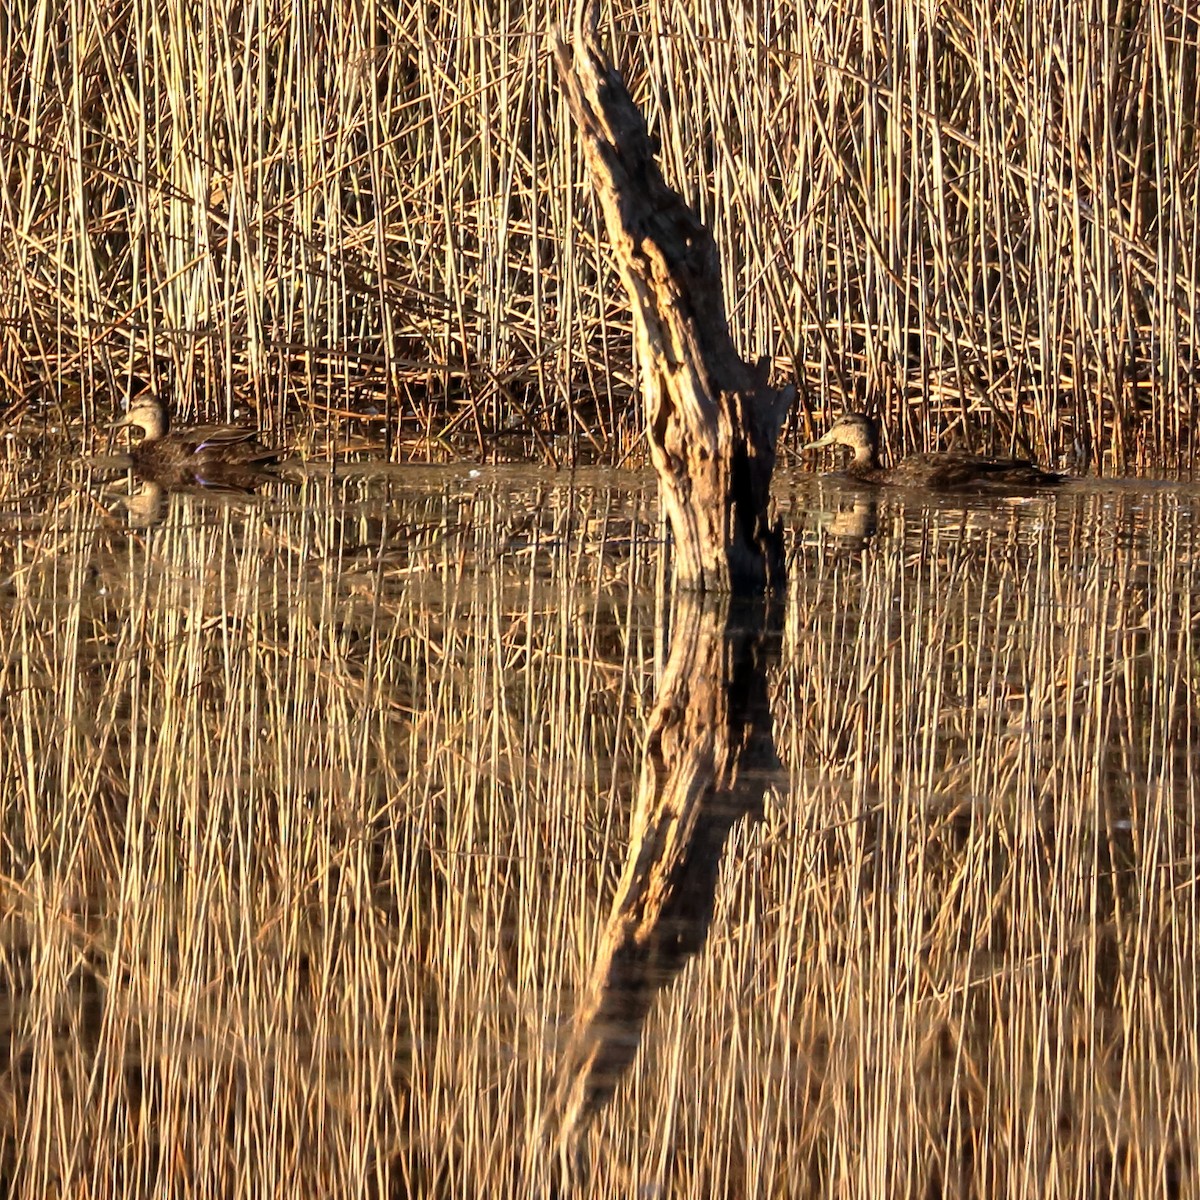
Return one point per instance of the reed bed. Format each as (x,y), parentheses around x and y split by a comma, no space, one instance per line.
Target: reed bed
(981,220)
(310,814)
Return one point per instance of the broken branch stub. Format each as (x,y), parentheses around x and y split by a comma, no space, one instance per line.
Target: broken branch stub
(712,420)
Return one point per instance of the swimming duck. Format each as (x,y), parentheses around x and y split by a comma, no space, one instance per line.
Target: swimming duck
(205,454)
(947,469)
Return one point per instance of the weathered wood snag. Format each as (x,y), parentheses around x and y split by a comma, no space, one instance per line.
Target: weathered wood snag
(712,423)
(711,418)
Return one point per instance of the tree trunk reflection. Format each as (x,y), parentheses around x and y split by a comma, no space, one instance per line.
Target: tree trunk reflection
(710,755)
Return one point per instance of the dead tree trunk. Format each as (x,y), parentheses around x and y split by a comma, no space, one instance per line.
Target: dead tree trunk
(711,418)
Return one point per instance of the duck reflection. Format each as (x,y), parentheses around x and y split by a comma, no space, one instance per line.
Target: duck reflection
(851,518)
(144,504)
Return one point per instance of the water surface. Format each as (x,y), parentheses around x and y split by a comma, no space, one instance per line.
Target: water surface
(313,805)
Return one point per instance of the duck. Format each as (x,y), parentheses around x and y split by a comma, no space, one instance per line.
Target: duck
(208,455)
(940,470)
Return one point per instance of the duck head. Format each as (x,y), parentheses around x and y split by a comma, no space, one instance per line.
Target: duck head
(856,430)
(146,412)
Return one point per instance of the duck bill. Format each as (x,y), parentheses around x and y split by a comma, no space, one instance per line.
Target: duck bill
(822,441)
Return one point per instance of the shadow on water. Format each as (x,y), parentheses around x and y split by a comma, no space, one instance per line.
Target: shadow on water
(357,835)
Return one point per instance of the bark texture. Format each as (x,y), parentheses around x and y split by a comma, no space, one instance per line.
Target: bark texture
(711,418)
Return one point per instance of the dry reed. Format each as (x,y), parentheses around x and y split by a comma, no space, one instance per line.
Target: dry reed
(980,219)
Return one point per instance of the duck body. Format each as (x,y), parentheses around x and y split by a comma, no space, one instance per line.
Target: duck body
(208,455)
(936,471)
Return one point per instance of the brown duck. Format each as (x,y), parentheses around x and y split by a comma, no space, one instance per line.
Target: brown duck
(209,455)
(947,469)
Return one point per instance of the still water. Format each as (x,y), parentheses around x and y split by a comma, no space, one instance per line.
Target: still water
(377,836)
